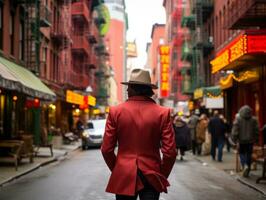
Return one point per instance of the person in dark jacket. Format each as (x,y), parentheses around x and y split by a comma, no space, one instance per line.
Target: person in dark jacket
(245,131)
(192,123)
(182,136)
(216,128)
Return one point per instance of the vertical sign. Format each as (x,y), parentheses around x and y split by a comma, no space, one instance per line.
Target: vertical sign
(164,52)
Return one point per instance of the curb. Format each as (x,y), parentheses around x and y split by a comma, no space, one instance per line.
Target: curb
(250,185)
(52,160)
(239,179)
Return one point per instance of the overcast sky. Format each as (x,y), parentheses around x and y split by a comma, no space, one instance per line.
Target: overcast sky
(142,14)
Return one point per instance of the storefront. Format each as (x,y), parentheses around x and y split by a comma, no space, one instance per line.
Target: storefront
(21,96)
(81,106)
(208,99)
(243,65)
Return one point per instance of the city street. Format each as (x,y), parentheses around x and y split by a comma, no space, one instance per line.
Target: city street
(83,176)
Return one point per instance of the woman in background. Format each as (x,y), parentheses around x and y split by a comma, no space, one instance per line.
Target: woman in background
(182,136)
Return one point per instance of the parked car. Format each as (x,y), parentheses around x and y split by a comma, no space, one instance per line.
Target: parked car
(92,135)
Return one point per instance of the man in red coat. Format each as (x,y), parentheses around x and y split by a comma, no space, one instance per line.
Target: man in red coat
(142,129)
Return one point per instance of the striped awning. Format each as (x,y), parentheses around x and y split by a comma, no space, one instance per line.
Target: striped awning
(16,77)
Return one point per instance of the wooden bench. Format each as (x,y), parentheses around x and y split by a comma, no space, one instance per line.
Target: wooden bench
(13,149)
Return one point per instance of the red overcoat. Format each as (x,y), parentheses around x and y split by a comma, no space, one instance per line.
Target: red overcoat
(142,129)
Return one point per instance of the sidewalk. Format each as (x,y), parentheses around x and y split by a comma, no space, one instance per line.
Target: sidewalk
(8,172)
(229,165)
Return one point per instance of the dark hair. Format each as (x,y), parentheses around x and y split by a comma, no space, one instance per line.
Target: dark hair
(142,90)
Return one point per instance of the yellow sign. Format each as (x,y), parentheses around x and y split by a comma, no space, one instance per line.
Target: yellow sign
(238,49)
(220,62)
(72,97)
(165,76)
(233,51)
(91,100)
(96,111)
(198,93)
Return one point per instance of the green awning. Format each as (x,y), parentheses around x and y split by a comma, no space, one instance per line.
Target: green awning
(213,90)
(30,84)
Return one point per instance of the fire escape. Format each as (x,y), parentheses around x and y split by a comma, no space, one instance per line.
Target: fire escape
(176,41)
(200,45)
(36,14)
(203,43)
(60,37)
(81,48)
(245,14)
(188,52)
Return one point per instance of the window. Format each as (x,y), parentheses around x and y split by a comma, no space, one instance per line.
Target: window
(21,40)
(11,32)
(55,68)
(1,26)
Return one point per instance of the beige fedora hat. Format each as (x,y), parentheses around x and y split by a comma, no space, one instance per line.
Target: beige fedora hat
(140,77)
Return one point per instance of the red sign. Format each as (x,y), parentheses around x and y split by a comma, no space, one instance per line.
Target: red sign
(256,43)
(237,48)
(164,51)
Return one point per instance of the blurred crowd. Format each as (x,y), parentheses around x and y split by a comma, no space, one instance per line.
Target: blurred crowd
(205,135)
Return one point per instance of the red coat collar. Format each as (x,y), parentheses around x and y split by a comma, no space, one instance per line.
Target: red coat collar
(140,98)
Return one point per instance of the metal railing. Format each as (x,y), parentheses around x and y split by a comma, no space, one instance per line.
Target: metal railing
(80,43)
(45,16)
(80,9)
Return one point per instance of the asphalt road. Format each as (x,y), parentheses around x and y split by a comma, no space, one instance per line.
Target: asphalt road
(84,175)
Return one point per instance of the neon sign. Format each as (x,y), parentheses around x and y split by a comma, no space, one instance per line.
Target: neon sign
(240,46)
(164,52)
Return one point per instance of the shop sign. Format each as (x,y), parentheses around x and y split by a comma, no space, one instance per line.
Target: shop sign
(164,52)
(214,103)
(198,93)
(75,98)
(240,46)
(91,100)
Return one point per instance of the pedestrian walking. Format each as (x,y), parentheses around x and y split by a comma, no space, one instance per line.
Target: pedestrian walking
(245,132)
(182,136)
(216,128)
(192,123)
(201,129)
(227,133)
(142,129)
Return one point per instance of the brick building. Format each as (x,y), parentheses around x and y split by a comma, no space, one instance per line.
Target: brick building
(45,44)
(240,46)
(177,37)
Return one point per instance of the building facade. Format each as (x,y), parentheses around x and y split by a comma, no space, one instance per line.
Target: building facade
(116,44)
(240,37)
(176,38)
(157,39)
(47,50)
(22,92)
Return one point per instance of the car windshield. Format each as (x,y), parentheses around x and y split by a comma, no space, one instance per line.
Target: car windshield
(96,124)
